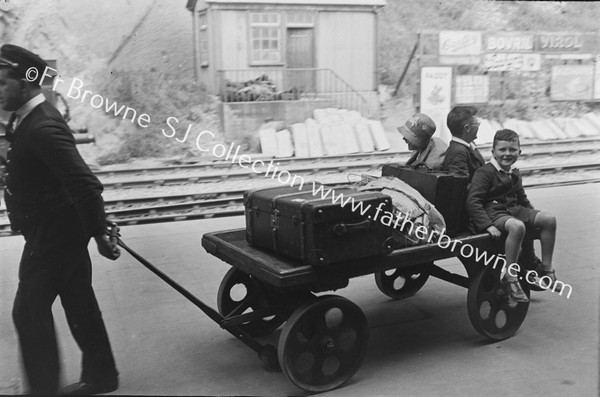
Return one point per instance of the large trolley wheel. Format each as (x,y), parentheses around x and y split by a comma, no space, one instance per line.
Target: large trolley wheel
(490,311)
(400,283)
(323,343)
(240,293)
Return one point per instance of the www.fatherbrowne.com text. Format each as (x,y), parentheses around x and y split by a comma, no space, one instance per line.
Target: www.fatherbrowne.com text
(399,221)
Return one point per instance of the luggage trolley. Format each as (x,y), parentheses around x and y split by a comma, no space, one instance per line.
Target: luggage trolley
(324,337)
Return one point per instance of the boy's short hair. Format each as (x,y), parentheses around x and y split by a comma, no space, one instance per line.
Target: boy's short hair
(458,117)
(506,135)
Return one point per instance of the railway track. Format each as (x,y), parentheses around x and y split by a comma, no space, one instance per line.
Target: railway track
(168,208)
(217,171)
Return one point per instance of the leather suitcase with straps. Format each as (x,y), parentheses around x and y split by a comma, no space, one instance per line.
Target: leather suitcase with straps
(315,230)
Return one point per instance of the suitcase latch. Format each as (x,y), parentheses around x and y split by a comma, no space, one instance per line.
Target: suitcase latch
(275,219)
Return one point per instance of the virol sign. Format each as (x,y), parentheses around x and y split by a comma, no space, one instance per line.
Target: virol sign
(559,42)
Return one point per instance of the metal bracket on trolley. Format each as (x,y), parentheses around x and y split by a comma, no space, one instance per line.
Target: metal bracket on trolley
(267,353)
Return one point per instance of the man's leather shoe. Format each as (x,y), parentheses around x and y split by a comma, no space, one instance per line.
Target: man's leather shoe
(86,389)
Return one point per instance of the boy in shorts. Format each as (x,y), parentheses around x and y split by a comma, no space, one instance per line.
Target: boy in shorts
(497,203)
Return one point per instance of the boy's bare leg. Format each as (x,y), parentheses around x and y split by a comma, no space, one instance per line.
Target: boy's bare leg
(547,223)
(516,232)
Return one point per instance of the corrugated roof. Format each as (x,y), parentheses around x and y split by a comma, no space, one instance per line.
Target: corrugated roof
(310,2)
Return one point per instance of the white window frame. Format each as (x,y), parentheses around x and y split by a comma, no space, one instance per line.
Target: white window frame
(268,32)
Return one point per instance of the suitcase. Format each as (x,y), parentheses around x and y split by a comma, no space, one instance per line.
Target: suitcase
(305,226)
(447,192)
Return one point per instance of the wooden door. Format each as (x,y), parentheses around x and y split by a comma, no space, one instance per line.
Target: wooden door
(300,54)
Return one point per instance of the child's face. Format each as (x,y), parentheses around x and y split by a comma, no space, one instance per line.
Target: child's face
(471,129)
(414,145)
(506,153)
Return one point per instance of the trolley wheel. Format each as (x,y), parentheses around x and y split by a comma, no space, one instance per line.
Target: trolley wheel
(400,283)
(240,293)
(323,343)
(490,311)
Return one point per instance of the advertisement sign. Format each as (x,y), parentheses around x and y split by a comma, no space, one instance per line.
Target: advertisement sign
(572,82)
(509,42)
(559,42)
(502,62)
(436,97)
(597,77)
(459,43)
(472,89)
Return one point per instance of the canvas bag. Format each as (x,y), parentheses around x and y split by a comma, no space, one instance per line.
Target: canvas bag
(410,203)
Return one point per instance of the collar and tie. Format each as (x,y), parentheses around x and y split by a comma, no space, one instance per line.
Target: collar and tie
(10,127)
(477,154)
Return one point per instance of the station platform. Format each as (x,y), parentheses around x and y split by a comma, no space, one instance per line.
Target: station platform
(421,346)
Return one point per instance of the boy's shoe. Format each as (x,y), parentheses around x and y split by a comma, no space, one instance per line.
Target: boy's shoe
(530,262)
(514,290)
(551,274)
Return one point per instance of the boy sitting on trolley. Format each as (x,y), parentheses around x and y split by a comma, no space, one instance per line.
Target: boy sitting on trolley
(497,203)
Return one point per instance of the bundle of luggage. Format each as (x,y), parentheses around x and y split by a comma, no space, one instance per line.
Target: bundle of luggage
(321,226)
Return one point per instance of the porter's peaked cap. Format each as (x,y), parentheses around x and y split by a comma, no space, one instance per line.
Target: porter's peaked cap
(20,60)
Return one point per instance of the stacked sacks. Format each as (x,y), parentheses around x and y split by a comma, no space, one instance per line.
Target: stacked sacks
(340,131)
(331,132)
(486,132)
(556,128)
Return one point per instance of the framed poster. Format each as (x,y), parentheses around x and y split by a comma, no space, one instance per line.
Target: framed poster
(460,42)
(572,82)
(460,47)
(472,89)
(436,97)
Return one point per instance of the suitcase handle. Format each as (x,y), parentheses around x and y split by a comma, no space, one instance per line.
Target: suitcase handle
(343,228)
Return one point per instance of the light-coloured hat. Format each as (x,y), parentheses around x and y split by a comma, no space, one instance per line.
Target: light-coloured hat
(418,129)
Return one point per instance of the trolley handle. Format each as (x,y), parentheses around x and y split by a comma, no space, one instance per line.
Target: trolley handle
(267,353)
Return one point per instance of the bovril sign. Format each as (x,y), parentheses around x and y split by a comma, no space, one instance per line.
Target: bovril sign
(509,42)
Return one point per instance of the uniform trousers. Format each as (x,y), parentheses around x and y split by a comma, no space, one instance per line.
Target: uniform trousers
(55,262)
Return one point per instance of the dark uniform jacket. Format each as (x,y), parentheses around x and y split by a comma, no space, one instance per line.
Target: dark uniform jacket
(492,193)
(47,181)
(462,160)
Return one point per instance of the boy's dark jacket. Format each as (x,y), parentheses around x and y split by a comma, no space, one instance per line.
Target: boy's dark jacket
(491,194)
(462,160)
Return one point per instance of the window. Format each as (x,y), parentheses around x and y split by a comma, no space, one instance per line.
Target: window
(203,39)
(300,19)
(265,38)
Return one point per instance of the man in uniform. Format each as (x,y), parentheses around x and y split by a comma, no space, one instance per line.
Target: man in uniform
(55,201)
